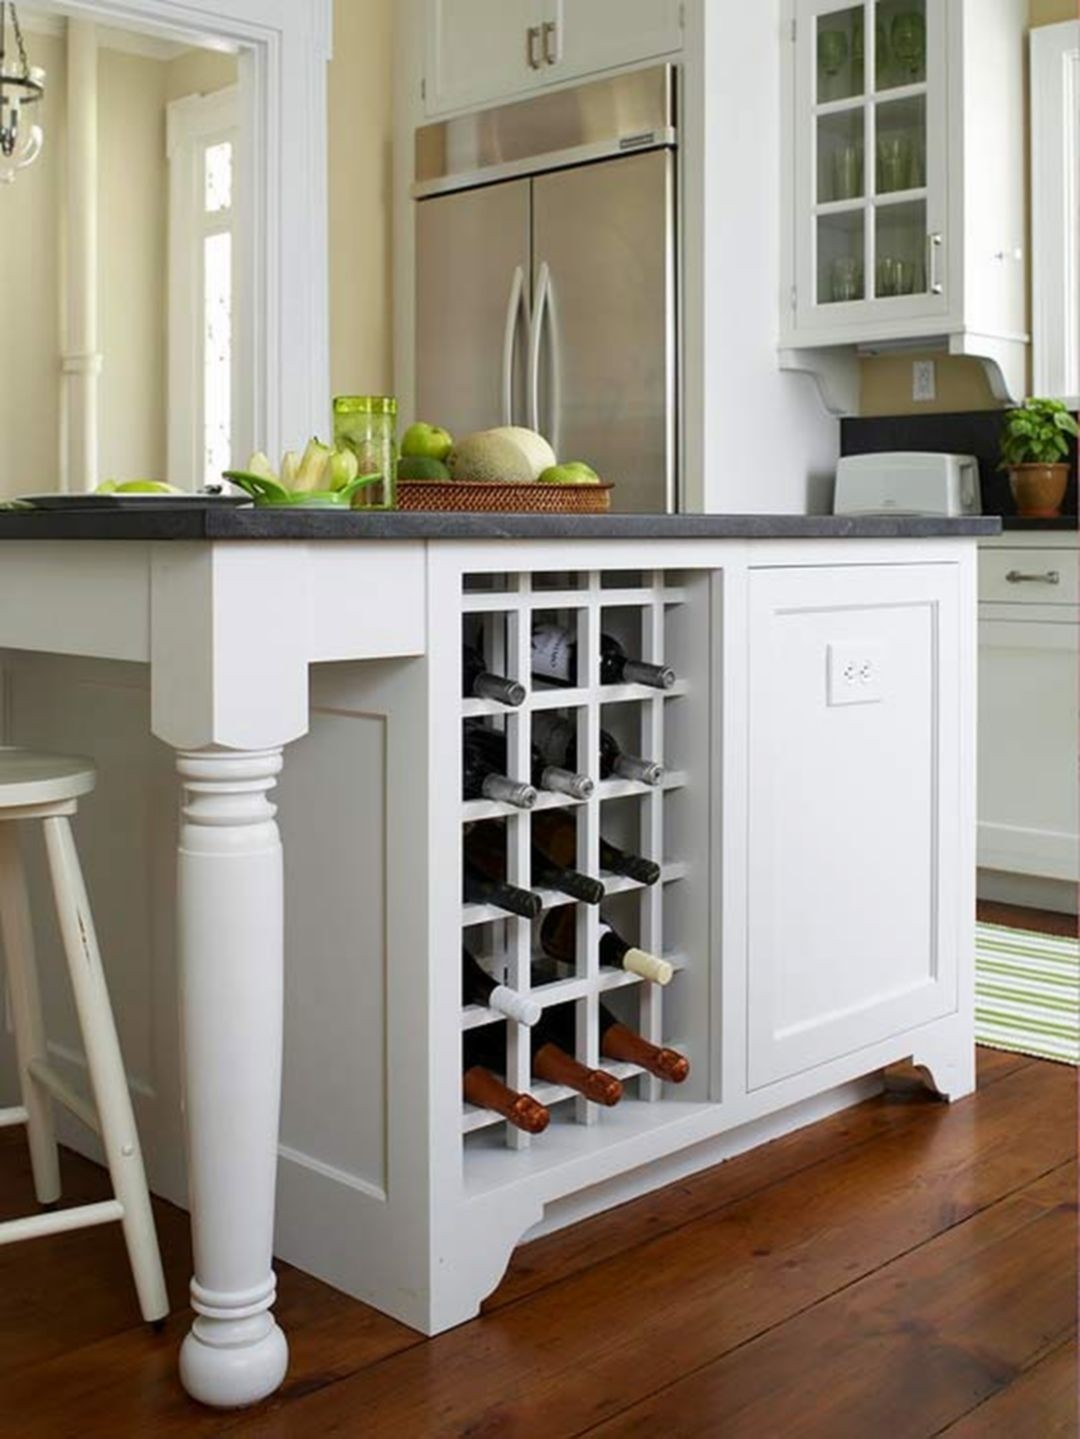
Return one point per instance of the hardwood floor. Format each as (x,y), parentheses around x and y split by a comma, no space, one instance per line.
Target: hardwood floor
(907,1266)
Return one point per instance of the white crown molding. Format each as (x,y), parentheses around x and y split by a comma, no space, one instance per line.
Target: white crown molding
(53,23)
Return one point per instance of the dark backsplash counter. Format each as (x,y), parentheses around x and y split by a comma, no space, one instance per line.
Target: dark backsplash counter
(160,522)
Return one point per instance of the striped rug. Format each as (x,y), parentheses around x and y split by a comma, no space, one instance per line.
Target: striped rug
(1027,992)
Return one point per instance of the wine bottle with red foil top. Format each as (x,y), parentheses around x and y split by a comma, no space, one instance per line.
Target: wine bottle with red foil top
(480,987)
(555,660)
(544,776)
(555,737)
(558,936)
(483,1082)
(618,1042)
(479,683)
(552,1060)
(481,778)
(556,833)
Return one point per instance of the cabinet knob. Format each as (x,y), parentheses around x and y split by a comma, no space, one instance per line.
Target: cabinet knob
(1048,577)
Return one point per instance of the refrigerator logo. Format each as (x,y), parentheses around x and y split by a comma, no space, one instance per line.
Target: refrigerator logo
(635,142)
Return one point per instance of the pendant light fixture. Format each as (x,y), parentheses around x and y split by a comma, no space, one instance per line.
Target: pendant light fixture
(21,85)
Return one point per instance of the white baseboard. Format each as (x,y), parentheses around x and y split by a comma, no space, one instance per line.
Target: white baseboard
(1029,890)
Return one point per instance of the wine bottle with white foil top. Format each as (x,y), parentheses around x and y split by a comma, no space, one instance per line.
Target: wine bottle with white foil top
(480,683)
(480,987)
(555,659)
(481,779)
(555,737)
(558,936)
(544,776)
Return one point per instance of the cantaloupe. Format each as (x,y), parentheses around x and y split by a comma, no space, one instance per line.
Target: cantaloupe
(488,457)
(536,449)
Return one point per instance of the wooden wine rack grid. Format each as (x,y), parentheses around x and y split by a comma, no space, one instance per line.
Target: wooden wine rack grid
(505,617)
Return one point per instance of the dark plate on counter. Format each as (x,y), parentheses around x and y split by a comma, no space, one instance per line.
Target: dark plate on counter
(129,502)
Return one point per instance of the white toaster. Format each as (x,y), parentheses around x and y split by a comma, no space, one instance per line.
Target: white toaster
(902,482)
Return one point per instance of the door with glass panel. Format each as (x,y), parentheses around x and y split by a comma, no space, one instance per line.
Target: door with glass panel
(871,161)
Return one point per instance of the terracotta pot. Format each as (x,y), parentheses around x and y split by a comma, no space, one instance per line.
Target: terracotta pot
(1038,489)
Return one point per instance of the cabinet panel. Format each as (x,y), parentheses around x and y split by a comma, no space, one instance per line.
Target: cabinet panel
(479,51)
(1028,692)
(854,784)
(591,35)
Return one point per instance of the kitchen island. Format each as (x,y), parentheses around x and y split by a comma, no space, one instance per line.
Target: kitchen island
(814,828)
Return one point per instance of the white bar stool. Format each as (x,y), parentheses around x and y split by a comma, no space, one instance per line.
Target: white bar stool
(46,787)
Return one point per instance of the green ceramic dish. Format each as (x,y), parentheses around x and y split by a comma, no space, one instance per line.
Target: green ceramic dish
(265,491)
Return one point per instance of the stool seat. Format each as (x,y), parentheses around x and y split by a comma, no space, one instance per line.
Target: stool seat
(29,777)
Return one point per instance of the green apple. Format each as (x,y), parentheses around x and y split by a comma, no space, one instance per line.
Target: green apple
(426,442)
(147,487)
(573,472)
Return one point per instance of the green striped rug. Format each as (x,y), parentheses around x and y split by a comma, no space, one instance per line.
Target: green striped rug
(1027,992)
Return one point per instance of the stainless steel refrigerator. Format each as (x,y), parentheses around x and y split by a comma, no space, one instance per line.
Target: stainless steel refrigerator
(546,284)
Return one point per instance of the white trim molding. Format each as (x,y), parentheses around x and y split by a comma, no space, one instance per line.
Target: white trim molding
(1055,210)
(282,262)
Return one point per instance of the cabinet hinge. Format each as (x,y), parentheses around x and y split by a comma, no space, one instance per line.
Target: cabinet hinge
(423,89)
(794,29)
(793,298)
(682,17)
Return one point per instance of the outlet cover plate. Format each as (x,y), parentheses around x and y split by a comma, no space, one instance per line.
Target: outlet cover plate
(923,381)
(855,672)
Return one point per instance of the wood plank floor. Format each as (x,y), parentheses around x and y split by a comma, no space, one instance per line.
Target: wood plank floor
(907,1266)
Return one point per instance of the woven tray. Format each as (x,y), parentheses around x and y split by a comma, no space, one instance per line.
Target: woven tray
(520,499)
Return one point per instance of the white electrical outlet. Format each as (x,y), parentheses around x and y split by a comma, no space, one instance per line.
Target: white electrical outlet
(923,380)
(855,672)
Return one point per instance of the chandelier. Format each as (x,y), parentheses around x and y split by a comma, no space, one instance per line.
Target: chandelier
(20,85)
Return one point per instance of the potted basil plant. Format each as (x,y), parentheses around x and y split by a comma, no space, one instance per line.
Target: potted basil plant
(1034,450)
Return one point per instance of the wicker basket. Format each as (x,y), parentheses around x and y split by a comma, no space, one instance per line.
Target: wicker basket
(520,499)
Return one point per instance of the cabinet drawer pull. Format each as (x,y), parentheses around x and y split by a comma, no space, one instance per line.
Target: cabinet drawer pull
(1049,577)
(934,242)
(550,32)
(532,42)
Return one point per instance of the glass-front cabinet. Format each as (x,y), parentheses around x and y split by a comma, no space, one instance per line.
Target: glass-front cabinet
(871,159)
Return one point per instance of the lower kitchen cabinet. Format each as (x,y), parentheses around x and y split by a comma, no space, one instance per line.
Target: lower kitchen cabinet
(1029,678)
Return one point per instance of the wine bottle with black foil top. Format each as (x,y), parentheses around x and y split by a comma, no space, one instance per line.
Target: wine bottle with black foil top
(479,683)
(555,737)
(483,1081)
(555,832)
(555,660)
(482,779)
(480,887)
(558,936)
(485,847)
(479,987)
(544,776)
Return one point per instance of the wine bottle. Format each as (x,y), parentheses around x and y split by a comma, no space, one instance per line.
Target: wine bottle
(556,833)
(478,888)
(482,780)
(544,776)
(477,680)
(485,847)
(558,935)
(551,1061)
(619,1042)
(555,655)
(482,1082)
(555,737)
(479,987)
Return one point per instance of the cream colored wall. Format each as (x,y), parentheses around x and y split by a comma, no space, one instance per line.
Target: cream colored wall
(885,380)
(199,72)
(30,299)
(361,200)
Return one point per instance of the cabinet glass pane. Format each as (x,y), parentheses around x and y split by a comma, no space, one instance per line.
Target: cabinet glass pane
(900,33)
(840,55)
(900,232)
(840,257)
(901,145)
(840,156)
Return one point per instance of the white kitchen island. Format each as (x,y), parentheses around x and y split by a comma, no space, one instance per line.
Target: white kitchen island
(815,828)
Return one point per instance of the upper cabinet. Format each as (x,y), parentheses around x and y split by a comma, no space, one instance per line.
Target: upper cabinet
(1055,211)
(484,51)
(904,181)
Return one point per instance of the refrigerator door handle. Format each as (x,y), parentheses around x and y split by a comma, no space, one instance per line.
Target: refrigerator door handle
(536,335)
(513,313)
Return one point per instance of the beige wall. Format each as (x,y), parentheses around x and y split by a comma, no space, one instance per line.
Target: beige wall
(361,198)
(885,380)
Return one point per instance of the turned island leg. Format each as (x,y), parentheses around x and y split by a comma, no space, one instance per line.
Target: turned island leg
(230,963)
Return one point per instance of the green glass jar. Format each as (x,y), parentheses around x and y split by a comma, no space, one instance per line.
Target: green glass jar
(367,425)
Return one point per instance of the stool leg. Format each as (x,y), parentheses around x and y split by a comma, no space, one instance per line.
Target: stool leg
(26,1014)
(121,1140)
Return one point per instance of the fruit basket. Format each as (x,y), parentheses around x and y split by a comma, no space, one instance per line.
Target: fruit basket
(513,498)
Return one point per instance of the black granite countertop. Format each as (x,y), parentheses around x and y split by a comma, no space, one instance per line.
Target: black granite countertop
(1020,523)
(230,523)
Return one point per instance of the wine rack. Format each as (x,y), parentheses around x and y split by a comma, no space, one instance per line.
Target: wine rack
(645,611)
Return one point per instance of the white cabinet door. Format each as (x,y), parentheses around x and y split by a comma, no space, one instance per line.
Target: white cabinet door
(855,791)
(870,133)
(480,51)
(584,36)
(1028,685)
